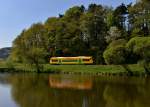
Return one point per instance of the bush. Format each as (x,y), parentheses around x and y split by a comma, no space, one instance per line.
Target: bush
(141,47)
(9,63)
(116,52)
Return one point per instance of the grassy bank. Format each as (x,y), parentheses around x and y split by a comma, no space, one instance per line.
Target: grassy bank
(82,69)
(2,64)
(94,69)
(75,69)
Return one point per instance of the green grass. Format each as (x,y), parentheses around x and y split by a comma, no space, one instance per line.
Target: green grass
(94,68)
(85,69)
(2,64)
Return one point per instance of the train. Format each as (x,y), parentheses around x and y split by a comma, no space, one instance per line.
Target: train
(71,60)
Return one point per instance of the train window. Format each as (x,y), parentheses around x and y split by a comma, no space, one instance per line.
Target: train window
(86,59)
(71,60)
(54,60)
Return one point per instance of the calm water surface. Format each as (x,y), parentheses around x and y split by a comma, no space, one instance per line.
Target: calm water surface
(45,90)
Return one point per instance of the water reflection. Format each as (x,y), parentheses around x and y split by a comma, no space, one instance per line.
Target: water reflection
(5,97)
(70,81)
(39,90)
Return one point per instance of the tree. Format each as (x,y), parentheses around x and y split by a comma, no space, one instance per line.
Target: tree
(18,48)
(52,26)
(141,47)
(32,46)
(116,53)
(74,13)
(113,34)
(93,29)
(119,15)
(67,34)
(93,25)
(109,18)
(139,16)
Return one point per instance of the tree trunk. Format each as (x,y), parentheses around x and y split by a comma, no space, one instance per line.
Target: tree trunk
(126,67)
(146,68)
(37,67)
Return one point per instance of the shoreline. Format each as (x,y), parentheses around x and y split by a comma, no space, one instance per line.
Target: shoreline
(102,70)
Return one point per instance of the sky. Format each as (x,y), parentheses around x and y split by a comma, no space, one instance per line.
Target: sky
(16,15)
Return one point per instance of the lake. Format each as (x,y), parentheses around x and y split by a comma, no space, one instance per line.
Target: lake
(49,90)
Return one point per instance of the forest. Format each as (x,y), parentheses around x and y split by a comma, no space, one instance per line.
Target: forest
(118,35)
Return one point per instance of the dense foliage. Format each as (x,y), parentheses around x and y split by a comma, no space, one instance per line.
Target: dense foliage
(140,46)
(116,52)
(94,31)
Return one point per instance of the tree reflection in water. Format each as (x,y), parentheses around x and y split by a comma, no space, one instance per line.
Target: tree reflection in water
(42,90)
